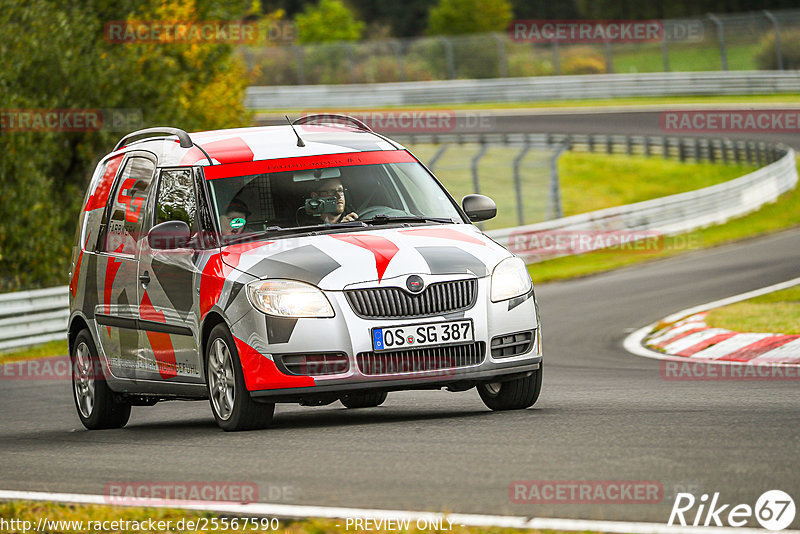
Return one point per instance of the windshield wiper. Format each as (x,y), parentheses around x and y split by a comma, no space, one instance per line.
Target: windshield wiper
(385,219)
(279,230)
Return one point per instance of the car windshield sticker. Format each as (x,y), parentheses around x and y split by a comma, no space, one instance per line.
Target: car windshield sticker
(238,222)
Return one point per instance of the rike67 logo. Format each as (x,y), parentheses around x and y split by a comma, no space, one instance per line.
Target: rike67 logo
(774,510)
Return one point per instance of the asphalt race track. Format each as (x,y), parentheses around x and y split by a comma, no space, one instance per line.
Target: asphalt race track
(604,414)
(580,121)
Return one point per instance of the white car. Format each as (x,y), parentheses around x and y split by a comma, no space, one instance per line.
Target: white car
(305,263)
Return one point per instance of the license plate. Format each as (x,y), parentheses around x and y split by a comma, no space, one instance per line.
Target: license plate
(422,335)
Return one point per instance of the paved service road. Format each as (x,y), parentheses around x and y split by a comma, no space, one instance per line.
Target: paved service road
(603,415)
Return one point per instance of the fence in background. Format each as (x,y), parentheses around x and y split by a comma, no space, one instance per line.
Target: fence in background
(530,163)
(747,41)
(598,86)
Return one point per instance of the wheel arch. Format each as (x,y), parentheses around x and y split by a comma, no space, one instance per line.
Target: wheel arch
(76,324)
(212,319)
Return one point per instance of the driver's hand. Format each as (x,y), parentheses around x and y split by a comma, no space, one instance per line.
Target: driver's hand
(352,216)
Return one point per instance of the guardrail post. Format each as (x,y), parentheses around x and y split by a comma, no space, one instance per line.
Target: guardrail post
(555,188)
(502,60)
(723,54)
(518,182)
(628,145)
(737,152)
(351,60)
(749,151)
(609,145)
(609,58)
(698,150)
(590,142)
(759,155)
(301,71)
(476,186)
(556,57)
(398,53)
(665,53)
(646,146)
(723,146)
(436,157)
(776,27)
(449,59)
(681,150)
(664,148)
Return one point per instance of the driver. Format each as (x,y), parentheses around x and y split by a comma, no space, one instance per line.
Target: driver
(235,217)
(332,188)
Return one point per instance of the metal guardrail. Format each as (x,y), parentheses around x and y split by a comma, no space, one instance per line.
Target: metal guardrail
(31,317)
(669,215)
(733,41)
(596,86)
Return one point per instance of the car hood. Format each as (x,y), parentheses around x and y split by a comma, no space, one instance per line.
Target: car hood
(334,261)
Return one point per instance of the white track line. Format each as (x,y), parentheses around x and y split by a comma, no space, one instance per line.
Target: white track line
(633,343)
(303,512)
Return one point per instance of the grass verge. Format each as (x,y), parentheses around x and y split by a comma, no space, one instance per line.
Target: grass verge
(95,516)
(592,182)
(779,215)
(52,348)
(777,312)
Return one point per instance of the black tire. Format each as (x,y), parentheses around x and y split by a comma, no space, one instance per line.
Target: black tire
(513,395)
(233,410)
(98,407)
(367,399)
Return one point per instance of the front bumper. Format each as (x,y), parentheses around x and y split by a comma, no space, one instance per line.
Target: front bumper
(349,334)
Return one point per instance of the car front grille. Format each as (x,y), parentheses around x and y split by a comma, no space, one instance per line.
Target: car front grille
(391,302)
(421,359)
(512,344)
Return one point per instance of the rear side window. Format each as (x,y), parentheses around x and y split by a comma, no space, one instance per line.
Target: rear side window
(125,212)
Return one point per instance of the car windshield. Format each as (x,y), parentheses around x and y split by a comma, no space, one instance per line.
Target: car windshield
(336,196)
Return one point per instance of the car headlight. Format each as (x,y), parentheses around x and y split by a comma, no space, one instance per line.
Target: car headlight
(288,298)
(510,279)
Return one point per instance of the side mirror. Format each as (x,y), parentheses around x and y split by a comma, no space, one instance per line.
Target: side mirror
(169,235)
(478,207)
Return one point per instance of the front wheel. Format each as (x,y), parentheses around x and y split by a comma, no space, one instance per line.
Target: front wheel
(512,395)
(368,399)
(98,406)
(231,404)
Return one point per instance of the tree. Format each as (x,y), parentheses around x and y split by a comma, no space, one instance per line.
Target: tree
(56,57)
(330,20)
(452,17)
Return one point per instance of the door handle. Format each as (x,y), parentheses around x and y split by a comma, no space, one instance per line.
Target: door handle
(144,278)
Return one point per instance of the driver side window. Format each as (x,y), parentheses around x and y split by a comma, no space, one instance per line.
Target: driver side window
(176,198)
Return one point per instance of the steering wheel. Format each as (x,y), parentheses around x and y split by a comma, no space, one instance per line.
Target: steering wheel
(372,211)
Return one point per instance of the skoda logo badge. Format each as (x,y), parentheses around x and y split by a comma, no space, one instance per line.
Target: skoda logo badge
(414,283)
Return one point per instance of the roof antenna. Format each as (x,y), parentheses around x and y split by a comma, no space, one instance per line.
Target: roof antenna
(299,141)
